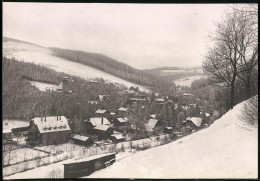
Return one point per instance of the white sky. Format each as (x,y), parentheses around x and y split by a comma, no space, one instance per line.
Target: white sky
(141,35)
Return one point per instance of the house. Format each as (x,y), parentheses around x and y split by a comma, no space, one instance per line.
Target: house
(82,140)
(20,131)
(116,138)
(102,113)
(7,134)
(159,101)
(168,130)
(193,122)
(153,124)
(103,131)
(121,122)
(48,130)
(104,97)
(92,122)
(93,102)
(134,88)
(153,116)
(122,111)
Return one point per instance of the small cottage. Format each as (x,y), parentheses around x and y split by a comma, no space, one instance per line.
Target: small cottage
(103,131)
(168,130)
(153,125)
(122,111)
(116,138)
(102,113)
(82,140)
(193,122)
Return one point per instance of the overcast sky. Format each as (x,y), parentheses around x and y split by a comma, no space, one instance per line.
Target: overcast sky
(141,35)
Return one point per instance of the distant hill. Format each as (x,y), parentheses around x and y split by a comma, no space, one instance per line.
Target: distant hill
(5,39)
(114,67)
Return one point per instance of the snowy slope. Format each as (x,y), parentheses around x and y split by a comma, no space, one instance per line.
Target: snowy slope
(43,56)
(227,149)
(187,80)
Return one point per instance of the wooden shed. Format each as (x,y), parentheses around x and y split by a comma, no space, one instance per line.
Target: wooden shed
(103,131)
(82,140)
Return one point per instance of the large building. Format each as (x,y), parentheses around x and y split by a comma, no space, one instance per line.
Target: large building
(48,130)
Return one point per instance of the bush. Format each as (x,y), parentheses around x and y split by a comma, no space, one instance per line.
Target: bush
(250,112)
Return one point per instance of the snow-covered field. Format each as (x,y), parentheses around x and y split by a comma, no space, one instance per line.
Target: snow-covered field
(43,56)
(43,86)
(187,80)
(9,124)
(227,149)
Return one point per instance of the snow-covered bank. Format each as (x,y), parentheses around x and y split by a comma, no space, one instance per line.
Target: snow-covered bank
(43,56)
(227,149)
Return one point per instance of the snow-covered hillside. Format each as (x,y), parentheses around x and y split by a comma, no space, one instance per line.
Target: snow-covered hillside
(227,149)
(187,80)
(43,56)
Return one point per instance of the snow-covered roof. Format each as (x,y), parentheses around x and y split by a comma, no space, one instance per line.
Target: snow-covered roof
(196,120)
(122,109)
(52,124)
(118,136)
(7,131)
(98,121)
(153,116)
(207,114)
(151,123)
(187,94)
(122,120)
(102,127)
(168,127)
(81,138)
(159,100)
(116,132)
(112,113)
(100,111)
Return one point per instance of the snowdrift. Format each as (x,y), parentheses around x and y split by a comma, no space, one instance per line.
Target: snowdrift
(227,149)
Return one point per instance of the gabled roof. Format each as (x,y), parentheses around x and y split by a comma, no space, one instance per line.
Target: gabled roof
(122,120)
(153,116)
(102,127)
(81,138)
(187,94)
(98,121)
(51,124)
(100,111)
(151,123)
(122,109)
(118,136)
(196,120)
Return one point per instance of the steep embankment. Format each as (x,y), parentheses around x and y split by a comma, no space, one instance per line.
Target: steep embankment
(43,56)
(227,149)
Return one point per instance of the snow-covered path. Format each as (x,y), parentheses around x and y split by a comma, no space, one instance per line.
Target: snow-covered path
(227,149)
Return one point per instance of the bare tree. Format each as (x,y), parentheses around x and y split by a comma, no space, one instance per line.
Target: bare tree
(228,59)
(247,24)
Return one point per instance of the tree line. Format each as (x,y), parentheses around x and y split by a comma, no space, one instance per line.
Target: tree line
(113,67)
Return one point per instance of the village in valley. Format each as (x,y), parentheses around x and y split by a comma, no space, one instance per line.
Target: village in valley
(108,91)
(107,130)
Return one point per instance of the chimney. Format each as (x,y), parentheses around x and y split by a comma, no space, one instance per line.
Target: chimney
(101,120)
